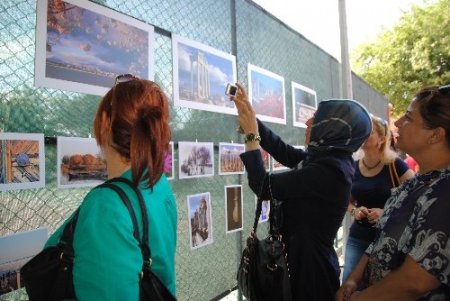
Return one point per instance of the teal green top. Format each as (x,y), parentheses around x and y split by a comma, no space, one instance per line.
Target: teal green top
(108,259)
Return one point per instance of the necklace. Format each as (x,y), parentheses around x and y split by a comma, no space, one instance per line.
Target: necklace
(370,167)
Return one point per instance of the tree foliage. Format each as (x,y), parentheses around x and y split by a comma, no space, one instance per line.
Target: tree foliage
(416,52)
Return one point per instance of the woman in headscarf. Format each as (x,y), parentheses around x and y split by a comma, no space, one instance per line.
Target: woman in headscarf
(315,196)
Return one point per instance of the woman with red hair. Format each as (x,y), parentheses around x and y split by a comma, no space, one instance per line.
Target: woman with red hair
(132,129)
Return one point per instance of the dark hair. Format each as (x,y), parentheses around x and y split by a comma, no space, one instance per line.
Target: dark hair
(133,118)
(434,107)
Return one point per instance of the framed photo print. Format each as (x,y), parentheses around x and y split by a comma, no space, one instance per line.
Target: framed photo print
(16,250)
(200,76)
(169,166)
(80,163)
(196,159)
(304,104)
(277,165)
(22,161)
(233,208)
(82,46)
(229,161)
(265,210)
(200,221)
(266,93)
(266,159)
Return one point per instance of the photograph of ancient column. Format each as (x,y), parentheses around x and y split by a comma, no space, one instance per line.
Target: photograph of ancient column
(196,159)
(229,161)
(80,163)
(200,221)
(82,46)
(266,93)
(200,76)
(304,104)
(22,161)
(233,208)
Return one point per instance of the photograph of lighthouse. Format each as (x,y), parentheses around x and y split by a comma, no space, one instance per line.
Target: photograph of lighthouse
(200,76)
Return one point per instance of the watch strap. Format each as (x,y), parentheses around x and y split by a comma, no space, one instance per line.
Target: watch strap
(252,137)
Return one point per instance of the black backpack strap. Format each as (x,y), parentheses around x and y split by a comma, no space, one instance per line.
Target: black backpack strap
(276,213)
(127,203)
(145,248)
(258,205)
(65,243)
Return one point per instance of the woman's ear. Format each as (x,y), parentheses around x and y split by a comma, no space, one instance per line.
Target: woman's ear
(381,141)
(438,135)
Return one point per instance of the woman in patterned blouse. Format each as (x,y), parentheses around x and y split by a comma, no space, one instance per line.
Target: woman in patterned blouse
(410,256)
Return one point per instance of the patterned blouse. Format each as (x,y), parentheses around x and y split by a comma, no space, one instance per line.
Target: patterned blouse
(415,222)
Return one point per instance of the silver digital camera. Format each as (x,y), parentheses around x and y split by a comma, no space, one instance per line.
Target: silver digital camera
(231,90)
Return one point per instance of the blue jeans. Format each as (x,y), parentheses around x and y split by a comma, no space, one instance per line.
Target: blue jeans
(353,251)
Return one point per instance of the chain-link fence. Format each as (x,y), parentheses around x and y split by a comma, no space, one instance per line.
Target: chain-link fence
(235,26)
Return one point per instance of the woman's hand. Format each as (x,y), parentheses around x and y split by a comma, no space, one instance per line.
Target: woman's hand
(361,213)
(246,114)
(374,214)
(345,292)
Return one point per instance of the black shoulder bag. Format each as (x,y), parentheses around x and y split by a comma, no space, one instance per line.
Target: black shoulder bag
(48,276)
(263,272)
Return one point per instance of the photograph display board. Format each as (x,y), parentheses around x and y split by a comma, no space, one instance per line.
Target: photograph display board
(266,93)
(22,161)
(200,76)
(80,163)
(200,221)
(82,46)
(304,104)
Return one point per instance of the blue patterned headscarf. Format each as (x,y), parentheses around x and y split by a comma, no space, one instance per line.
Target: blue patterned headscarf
(341,124)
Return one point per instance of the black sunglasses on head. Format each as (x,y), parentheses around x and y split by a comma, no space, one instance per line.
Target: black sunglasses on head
(123,78)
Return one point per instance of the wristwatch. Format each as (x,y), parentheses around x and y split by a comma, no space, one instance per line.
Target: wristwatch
(252,137)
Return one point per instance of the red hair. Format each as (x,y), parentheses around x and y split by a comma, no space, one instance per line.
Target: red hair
(133,118)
